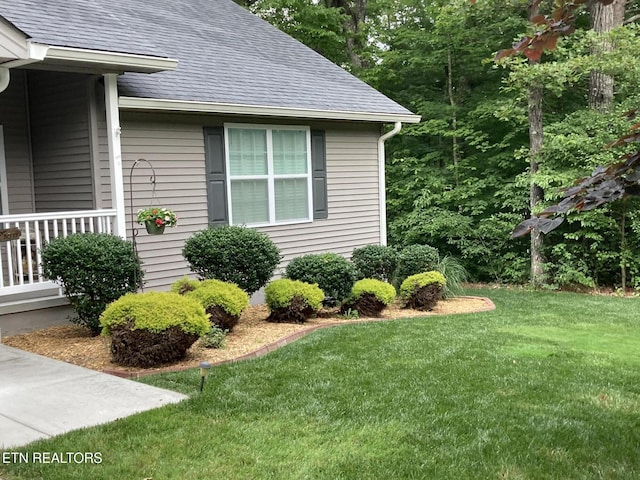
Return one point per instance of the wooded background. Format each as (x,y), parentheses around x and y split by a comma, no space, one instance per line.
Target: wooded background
(499,138)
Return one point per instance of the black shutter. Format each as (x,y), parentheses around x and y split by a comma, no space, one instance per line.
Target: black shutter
(319,167)
(216,176)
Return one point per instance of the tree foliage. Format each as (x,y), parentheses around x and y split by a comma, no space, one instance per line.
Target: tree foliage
(460,179)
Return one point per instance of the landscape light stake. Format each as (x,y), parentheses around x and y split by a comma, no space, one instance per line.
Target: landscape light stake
(204,370)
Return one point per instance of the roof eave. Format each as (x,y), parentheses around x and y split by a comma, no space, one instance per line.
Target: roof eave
(120,61)
(154,104)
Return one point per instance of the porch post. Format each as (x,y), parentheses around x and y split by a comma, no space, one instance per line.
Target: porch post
(115,151)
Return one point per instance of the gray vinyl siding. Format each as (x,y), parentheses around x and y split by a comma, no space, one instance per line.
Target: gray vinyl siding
(176,152)
(175,147)
(104,186)
(15,120)
(60,139)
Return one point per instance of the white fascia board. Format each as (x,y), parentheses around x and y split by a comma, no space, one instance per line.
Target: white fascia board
(36,52)
(154,104)
(13,43)
(125,61)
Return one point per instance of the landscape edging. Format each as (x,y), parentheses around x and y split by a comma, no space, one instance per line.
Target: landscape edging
(489,305)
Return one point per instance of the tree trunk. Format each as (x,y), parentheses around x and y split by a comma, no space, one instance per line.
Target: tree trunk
(604,18)
(623,246)
(536,195)
(356,10)
(454,117)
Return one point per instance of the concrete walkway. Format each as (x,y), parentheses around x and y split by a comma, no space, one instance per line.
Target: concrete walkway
(41,397)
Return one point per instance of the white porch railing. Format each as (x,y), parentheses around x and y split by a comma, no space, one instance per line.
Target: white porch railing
(20,259)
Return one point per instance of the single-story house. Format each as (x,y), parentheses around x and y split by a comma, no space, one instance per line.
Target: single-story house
(240,123)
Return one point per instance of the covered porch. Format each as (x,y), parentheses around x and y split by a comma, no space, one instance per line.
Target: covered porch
(60,152)
(57,175)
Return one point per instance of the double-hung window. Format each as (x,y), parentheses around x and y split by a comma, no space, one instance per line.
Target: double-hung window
(269,174)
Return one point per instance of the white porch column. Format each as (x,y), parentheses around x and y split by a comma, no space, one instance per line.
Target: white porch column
(115,152)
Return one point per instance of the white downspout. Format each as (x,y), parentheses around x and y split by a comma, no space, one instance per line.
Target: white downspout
(5,76)
(115,152)
(381,181)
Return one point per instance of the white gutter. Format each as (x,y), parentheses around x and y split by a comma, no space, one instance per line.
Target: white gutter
(154,104)
(381,181)
(122,61)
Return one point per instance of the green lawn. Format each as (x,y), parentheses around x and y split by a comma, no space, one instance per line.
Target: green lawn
(545,387)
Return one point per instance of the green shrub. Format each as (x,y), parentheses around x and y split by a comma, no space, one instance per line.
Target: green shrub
(375,261)
(455,273)
(423,290)
(223,301)
(94,269)
(331,272)
(235,254)
(184,285)
(369,297)
(415,259)
(214,338)
(149,329)
(383,291)
(155,312)
(292,300)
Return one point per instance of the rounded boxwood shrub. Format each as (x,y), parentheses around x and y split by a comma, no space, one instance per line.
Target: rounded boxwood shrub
(94,269)
(292,300)
(369,297)
(375,261)
(331,272)
(423,290)
(149,329)
(184,285)
(235,254)
(415,259)
(223,301)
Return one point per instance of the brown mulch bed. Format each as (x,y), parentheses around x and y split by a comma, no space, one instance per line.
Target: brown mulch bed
(251,337)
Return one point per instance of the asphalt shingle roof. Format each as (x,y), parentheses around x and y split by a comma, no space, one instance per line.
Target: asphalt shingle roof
(225,53)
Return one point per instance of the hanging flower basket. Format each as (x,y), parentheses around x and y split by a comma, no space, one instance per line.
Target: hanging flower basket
(153,228)
(156,219)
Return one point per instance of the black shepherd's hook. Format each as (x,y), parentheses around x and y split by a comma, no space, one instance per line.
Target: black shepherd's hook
(134,230)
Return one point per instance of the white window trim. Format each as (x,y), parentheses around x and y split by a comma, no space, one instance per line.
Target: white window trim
(271,176)
(4,184)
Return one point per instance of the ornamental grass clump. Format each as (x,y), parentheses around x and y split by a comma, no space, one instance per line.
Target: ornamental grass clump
(331,272)
(235,254)
(153,328)
(292,300)
(369,297)
(223,301)
(423,290)
(94,269)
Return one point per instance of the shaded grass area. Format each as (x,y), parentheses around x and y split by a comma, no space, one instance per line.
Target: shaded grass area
(544,387)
